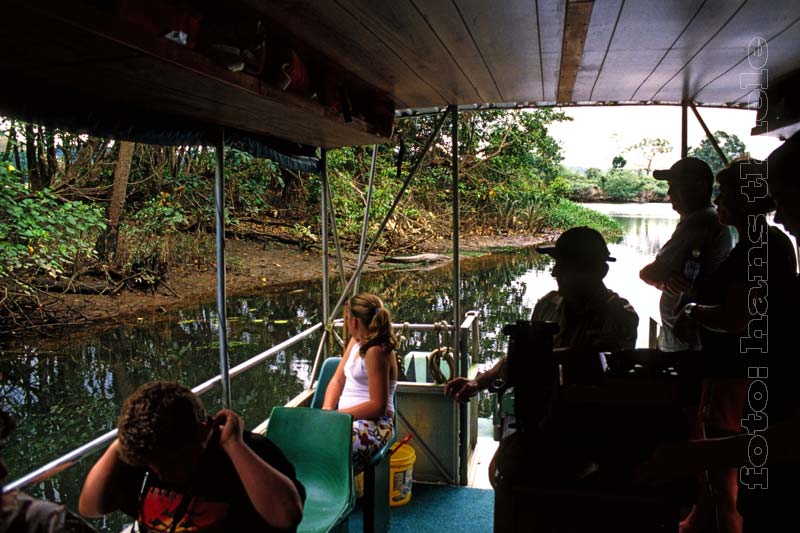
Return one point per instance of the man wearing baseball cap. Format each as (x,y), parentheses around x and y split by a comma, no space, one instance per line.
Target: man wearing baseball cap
(699,237)
(767,490)
(591,317)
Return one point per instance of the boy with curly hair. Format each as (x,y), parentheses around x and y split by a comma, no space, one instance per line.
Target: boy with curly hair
(174,468)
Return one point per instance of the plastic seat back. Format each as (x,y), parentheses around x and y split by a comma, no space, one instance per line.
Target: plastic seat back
(325,374)
(318,444)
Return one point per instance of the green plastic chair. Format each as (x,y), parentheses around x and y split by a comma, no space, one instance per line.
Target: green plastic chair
(376,476)
(318,444)
(325,374)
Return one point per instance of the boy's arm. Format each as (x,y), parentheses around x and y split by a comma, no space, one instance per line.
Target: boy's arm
(111,485)
(273,495)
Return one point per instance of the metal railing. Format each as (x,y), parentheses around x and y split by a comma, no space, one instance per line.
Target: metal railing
(470,325)
(69,459)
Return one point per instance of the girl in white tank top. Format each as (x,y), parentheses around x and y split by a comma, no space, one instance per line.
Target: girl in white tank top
(364,383)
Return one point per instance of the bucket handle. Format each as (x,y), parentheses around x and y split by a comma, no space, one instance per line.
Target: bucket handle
(400,444)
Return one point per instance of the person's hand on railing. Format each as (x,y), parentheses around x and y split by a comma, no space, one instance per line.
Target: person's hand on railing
(231,428)
(461,389)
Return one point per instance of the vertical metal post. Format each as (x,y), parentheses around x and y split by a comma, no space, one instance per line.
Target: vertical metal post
(652,341)
(222,317)
(357,284)
(463,359)
(456,244)
(684,130)
(324,230)
(709,135)
(336,245)
(423,152)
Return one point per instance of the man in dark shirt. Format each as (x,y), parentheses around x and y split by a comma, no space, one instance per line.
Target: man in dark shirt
(768,450)
(590,316)
(174,468)
(698,232)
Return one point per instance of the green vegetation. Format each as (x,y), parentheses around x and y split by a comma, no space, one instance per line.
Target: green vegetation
(615,185)
(566,214)
(621,184)
(85,214)
(40,235)
(730,145)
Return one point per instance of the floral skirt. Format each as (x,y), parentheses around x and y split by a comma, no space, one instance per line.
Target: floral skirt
(369,436)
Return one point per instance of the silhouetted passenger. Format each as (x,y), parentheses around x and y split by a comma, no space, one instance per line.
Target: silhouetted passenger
(698,238)
(591,317)
(722,315)
(768,450)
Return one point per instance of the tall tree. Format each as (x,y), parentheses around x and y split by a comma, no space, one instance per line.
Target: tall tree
(107,244)
(731,145)
(31,158)
(649,149)
(12,141)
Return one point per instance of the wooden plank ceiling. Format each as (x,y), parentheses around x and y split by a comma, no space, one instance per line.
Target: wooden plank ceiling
(420,55)
(431,53)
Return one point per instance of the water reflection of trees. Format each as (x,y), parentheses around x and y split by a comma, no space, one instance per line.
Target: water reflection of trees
(488,285)
(646,235)
(63,400)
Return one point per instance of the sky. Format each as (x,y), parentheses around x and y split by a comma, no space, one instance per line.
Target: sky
(597,134)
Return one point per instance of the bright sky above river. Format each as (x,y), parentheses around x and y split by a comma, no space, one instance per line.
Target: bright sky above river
(597,134)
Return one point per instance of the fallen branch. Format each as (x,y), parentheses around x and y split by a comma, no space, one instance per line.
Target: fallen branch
(419,258)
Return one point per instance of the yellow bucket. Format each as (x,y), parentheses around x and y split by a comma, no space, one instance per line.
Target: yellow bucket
(359,483)
(400,476)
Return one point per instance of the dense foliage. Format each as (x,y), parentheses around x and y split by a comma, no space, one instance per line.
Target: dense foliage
(615,185)
(40,235)
(620,184)
(95,215)
(730,145)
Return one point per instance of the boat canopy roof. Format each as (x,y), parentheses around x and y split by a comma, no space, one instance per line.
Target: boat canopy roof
(337,73)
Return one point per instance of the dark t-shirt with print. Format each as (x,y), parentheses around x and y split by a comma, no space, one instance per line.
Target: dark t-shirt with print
(215,500)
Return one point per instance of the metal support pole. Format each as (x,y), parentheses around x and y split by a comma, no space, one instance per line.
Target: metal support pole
(684,130)
(357,284)
(317,367)
(424,152)
(222,318)
(463,364)
(709,135)
(324,230)
(339,263)
(456,240)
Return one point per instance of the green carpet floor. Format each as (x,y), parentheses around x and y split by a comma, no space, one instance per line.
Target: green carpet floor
(438,509)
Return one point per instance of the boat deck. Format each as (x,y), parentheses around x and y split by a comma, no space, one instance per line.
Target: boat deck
(438,508)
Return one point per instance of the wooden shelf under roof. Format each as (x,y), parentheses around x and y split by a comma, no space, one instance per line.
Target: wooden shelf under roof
(80,56)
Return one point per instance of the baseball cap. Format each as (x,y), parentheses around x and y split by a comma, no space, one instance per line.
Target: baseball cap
(581,243)
(687,169)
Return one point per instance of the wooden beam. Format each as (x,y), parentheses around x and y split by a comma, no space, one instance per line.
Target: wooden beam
(100,56)
(576,26)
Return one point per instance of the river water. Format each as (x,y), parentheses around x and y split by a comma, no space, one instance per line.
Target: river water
(63,392)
